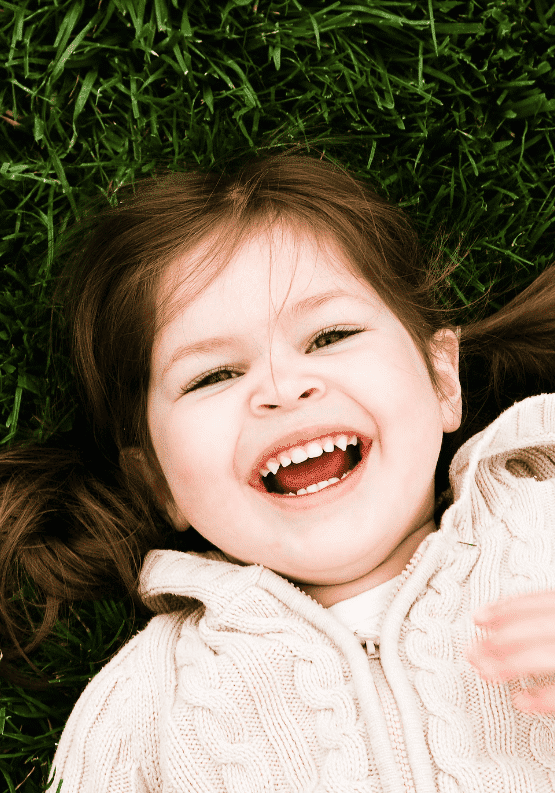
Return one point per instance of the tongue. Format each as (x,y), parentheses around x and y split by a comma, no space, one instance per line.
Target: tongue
(314,470)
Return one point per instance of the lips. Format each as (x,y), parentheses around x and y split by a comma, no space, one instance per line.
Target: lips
(300,438)
(312,471)
(322,499)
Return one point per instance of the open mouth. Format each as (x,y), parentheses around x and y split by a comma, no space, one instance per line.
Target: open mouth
(314,474)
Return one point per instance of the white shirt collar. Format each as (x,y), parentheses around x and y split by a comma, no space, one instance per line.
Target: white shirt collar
(363,614)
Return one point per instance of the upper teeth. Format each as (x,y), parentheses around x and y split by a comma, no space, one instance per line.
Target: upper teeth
(301,453)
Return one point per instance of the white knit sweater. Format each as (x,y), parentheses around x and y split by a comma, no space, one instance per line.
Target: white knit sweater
(243,683)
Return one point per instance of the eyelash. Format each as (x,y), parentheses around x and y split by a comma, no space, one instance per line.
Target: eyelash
(323,333)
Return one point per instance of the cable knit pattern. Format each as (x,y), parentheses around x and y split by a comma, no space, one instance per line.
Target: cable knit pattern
(218,719)
(314,672)
(243,683)
(515,554)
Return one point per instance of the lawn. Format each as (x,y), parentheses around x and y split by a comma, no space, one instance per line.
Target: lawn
(446,108)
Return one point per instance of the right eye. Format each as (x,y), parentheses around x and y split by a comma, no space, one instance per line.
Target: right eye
(208,379)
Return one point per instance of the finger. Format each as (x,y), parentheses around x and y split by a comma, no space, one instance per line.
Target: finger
(509,608)
(537,629)
(495,663)
(540,700)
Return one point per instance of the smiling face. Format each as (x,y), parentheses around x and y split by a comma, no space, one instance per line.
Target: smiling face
(210,431)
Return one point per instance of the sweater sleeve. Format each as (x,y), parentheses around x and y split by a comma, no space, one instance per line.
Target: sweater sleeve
(111,741)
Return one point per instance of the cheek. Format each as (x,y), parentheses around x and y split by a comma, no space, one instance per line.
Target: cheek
(397,379)
(196,452)
(410,411)
(174,445)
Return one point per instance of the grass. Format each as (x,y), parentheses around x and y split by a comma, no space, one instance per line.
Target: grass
(447,107)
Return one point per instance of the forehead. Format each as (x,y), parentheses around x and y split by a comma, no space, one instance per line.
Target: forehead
(276,265)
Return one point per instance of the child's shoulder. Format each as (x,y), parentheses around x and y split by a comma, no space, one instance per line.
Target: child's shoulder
(119,710)
(144,658)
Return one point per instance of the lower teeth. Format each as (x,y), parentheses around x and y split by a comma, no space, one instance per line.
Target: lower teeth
(319,486)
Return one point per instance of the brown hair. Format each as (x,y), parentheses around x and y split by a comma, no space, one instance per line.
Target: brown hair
(76,523)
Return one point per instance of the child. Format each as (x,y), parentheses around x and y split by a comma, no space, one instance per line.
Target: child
(264,365)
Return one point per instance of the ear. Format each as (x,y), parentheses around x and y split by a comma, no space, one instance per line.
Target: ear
(445,351)
(133,460)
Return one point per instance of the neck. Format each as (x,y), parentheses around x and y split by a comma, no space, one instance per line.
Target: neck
(329,594)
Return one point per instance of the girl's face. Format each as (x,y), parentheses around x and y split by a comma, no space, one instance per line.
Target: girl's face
(281,385)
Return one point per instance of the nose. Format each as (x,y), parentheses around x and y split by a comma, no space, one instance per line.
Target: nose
(283,378)
(281,390)
(287,403)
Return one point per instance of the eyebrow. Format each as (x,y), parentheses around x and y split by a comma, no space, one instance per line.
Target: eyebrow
(215,343)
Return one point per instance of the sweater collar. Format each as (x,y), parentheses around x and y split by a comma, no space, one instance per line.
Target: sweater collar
(172,580)
(525,424)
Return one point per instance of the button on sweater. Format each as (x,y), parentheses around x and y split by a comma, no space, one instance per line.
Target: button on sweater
(243,683)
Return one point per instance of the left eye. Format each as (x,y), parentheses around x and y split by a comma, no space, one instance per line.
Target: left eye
(213,377)
(341,332)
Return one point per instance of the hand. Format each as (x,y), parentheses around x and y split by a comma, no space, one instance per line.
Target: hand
(520,642)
